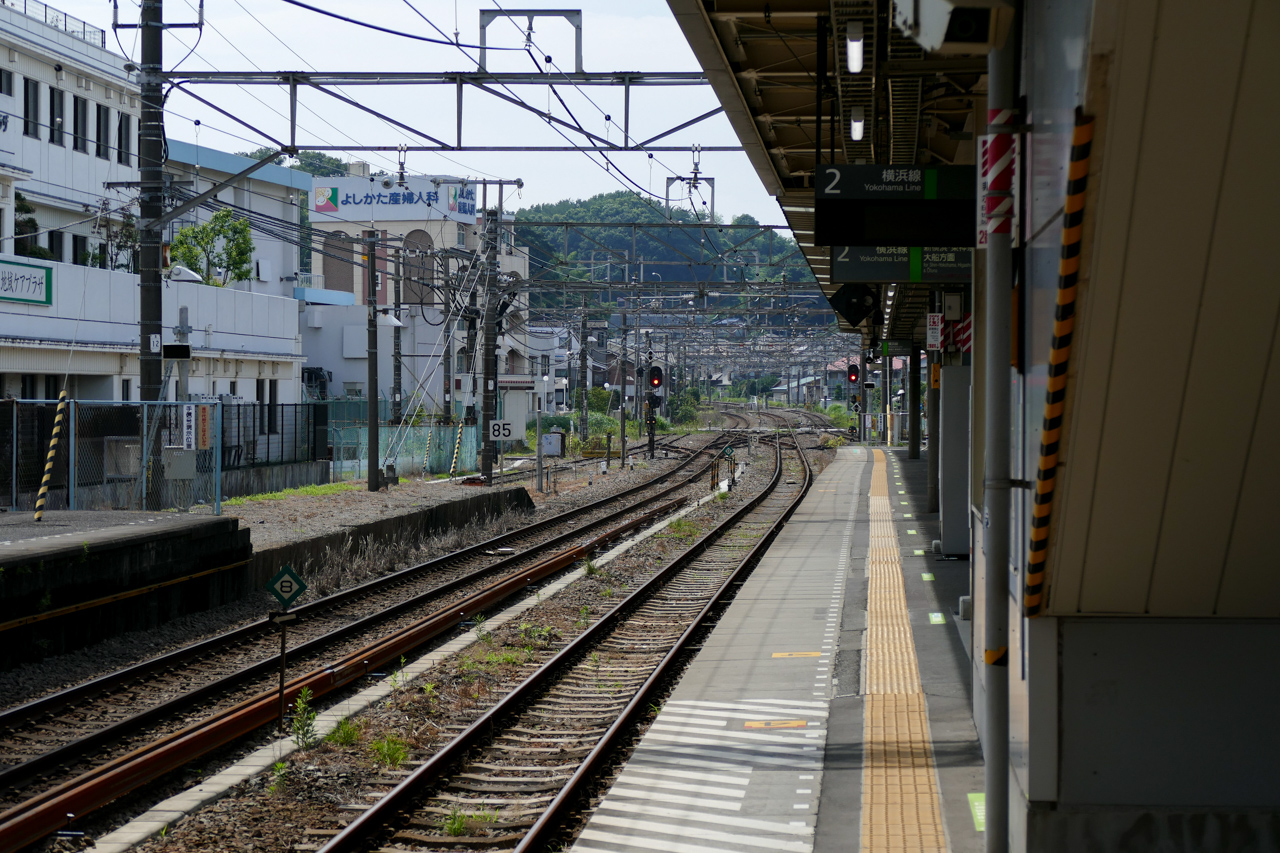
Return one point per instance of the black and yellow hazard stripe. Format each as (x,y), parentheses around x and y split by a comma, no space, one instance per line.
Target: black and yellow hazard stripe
(51,455)
(457,450)
(1059,357)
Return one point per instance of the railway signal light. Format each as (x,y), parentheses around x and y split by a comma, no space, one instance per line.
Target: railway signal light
(853,373)
(655,377)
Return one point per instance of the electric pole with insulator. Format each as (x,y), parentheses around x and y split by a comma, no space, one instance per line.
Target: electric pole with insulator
(492,301)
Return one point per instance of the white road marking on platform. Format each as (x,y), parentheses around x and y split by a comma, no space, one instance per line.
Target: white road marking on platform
(672,717)
(703,817)
(727,805)
(688,774)
(815,708)
(731,735)
(665,846)
(684,787)
(693,832)
(763,714)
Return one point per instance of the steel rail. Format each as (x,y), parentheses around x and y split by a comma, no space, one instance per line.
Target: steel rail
(56,808)
(355,834)
(55,701)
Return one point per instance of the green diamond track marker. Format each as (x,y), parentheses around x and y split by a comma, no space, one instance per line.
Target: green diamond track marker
(911,533)
(926,576)
(978,806)
(286,586)
(937,619)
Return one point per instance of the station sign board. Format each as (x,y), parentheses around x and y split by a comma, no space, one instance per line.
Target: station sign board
(901,264)
(876,205)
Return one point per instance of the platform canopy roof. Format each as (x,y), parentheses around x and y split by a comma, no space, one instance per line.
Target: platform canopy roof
(918,107)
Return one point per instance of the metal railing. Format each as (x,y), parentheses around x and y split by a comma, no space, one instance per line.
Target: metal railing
(127,455)
(259,434)
(59,20)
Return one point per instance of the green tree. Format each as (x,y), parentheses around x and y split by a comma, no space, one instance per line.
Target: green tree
(223,242)
(598,400)
(25,225)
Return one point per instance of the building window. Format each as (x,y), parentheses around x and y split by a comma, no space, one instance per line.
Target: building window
(79,249)
(6,83)
(268,406)
(28,389)
(79,123)
(546,365)
(103,148)
(31,108)
(102,255)
(126,389)
(124,139)
(462,235)
(55,245)
(51,387)
(57,106)
(233,387)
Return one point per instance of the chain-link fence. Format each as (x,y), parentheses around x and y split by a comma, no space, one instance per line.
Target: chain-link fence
(151,456)
(420,450)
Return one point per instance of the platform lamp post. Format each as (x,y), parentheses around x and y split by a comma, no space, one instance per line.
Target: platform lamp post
(608,403)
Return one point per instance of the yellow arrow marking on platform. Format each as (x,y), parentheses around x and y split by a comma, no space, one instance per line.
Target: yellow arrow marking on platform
(775,724)
(796,654)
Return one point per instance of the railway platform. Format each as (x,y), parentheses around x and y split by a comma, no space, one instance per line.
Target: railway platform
(78,577)
(831,702)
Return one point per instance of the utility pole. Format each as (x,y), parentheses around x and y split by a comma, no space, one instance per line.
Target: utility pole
(489,401)
(371,393)
(151,198)
(181,334)
(582,375)
(622,394)
(446,343)
(397,410)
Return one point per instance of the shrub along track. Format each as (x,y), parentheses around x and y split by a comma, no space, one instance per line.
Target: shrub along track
(514,777)
(70,752)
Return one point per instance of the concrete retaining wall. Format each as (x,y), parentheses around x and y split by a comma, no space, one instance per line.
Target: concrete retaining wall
(115,560)
(273,478)
(486,504)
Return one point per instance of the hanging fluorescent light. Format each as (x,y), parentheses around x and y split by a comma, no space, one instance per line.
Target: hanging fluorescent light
(857,123)
(853,46)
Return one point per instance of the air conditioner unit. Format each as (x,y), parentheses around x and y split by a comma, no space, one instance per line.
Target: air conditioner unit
(955,26)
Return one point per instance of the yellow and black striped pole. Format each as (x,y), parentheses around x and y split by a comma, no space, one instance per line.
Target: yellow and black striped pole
(49,457)
(1059,357)
(457,449)
(426,456)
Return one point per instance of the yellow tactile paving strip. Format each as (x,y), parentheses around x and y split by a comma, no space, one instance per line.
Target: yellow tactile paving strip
(901,808)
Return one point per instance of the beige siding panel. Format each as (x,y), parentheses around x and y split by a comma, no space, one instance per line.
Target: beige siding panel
(1237,317)
(1251,581)
(1114,167)
(1174,201)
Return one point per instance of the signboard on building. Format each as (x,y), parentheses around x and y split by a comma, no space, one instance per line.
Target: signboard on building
(26,283)
(901,263)
(869,205)
(421,198)
(933,332)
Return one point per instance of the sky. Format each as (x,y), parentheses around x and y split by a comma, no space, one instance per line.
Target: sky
(271,35)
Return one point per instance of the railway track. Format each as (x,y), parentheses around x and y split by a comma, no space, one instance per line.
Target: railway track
(512,779)
(666,444)
(70,752)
